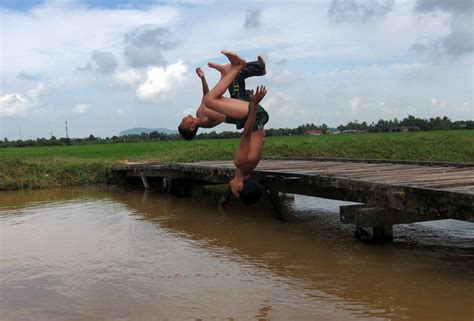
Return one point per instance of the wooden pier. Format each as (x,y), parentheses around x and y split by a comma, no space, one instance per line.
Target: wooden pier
(389,192)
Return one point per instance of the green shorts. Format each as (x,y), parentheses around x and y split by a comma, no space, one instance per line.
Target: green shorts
(260,120)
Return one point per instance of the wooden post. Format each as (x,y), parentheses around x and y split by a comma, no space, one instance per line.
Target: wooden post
(373,225)
(144,180)
(178,187)
(224,198)
(273,198)
(374,234)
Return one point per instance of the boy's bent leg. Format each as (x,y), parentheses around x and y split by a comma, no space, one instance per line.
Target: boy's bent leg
(230,107)
(228,74)
(219,67)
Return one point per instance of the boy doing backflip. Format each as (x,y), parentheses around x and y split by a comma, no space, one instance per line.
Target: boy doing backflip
(244,114)
(189,125)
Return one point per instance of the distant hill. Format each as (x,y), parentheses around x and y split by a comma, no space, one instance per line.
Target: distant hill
(139,130)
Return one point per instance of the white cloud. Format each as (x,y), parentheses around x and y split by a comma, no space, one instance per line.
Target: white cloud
(65,32)
(14,105)
(127,79)
(161,81)
(29,104)
(283,77)
(44,88)
(120,112)
(281,106)
(354,104)
(80,109)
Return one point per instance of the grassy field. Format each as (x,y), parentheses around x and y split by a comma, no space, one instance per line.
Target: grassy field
(90,164)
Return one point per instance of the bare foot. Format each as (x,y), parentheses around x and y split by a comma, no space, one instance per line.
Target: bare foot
(223,69)
(260,60)
(234,59)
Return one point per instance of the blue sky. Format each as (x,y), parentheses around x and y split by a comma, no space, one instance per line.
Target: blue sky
(106,66)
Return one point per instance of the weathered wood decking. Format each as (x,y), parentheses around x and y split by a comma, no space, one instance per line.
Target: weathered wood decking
(391,193)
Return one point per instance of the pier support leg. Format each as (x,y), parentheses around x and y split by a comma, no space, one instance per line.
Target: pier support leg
(274,199)
(178,187)
(224,198)
(374,234)
(144,180)
(373,225)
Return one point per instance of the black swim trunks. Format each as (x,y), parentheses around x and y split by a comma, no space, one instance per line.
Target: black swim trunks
(237,88)
(260,119)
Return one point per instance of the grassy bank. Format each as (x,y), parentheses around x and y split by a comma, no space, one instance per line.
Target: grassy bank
(37,167)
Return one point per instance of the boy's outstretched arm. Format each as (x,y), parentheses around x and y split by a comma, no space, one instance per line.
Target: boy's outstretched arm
(243,158)
(205,87)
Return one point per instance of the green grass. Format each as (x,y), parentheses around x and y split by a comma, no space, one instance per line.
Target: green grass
(91,164)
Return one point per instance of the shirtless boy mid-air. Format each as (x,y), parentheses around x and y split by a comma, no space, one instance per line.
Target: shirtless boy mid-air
(248,115)
(190,125)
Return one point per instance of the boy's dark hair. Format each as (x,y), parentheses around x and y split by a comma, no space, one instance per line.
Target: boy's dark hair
(187,133)
(251,191)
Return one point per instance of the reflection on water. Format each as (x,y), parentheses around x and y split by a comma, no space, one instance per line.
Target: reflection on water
(108,254)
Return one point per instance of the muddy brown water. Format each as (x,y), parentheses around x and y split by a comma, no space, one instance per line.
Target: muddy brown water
(126,254)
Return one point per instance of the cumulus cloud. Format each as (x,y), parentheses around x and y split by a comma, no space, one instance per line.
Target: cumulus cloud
(101,62)
(460,39)
(358,10)
(283,77)
(281,105)
(161,81)
(144,46)
(459,6)
(80,109)
(22,105)
(252,19)
(354,104)
(44,88)
(14,105)
(127,79)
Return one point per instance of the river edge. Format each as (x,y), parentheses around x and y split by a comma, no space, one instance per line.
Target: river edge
(21,175)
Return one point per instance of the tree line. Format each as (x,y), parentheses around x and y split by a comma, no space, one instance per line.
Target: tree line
(410,123)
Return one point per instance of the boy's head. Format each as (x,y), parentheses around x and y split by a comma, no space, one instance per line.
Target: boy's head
(188,127)
(247,190)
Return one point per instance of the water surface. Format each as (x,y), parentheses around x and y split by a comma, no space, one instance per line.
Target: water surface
(115,254)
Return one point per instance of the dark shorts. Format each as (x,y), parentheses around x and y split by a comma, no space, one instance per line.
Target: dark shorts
(260,120)
(237,88)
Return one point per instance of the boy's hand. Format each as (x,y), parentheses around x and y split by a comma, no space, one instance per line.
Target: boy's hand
(257,96)
(199,72)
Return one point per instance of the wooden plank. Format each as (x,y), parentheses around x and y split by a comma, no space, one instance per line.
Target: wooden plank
(297,165)
(419,179)
(333,170)
(404,172)
(450,183)
(462,189)
(376,161)
(375,169)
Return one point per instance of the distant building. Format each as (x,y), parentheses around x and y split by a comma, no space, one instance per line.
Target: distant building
(334,131)
(314,132)
(354,131)
(404,129)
